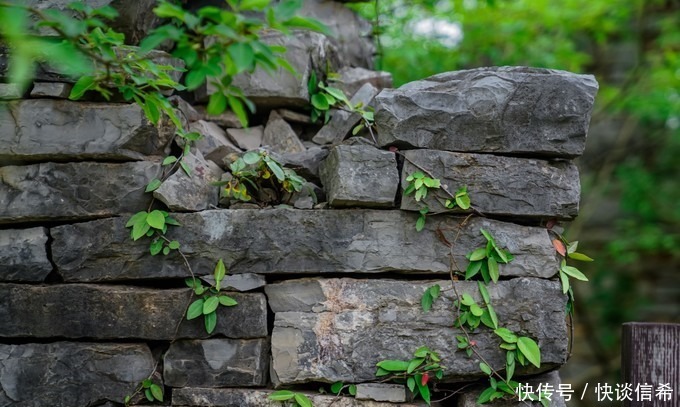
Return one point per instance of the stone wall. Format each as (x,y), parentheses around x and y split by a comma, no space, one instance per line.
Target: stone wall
(325,289)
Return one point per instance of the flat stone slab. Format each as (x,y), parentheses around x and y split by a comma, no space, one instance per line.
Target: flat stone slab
(50,129)
(323,241)
(217,362)
(58,90)
(23,255)
(360,176)
(516,110)
(199,397)
(504,186)
(181,192)
(73,191)
(338,329)
(64,374)
(395,393)
(119,312)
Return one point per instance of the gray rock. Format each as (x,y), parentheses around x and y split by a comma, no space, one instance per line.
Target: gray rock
(469,398)
(342,122)
(247,139)
(23,255)
(57,90)
(306,163)
(181,192)
(192,397)
(119,312)
(239,282)
(395,393)
(291,116)
(9,91)
(226,119)
(514,110)
(217,363)
(48,129)
(350,33)
(360,176)
(338,241)
(73,191)
(350,79)
(346,326)
(306,52)
(67,374)
(507,186)
(280,137)
(214,145)
(188,112)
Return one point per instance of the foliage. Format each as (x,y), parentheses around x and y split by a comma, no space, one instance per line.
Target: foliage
(299,399)
(567,250)
(153,224)
(211,298)
(417,372)
(470,313)
(338,387)
(420,184)
(152,392)
(485,260)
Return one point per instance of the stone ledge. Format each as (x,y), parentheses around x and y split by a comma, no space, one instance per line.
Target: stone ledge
(23,255)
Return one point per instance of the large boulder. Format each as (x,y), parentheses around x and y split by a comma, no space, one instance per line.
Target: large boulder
(347,326)
(60,130)
(513,110)
(68,374)
(505,186)
(23,255)
(73,191)
(119,312)
(280,241)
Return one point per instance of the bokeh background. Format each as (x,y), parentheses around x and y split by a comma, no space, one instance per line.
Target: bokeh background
(630,204)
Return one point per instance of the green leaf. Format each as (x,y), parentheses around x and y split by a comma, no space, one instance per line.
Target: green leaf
(414,364)
(579,257)
(421,352)
(571,247)
(153,185)
(510,365)
(171,159)
(485,396)
(411,383)
(242,55)
(171,221)
(219,273)
(574,272)
(149,395)
(227,301)
(185,168)
(393,365)
(195,309)
(251,157)
(420,223)
(210,305)
(353,389)
(253,4)
(282,395)
(320,102)
(303,400)
(476,310)
(492,314)
(493,269)
(156,392)
(81,86)
(530,350)
(478,254)
(564,279)
(210,322)
(336,387)
(485,368)
(484,292)
(277,170)
(506,334)
(156,219)
(463,201)
(434,291)
(139,217)
(156,247)
(467,300)
(139,230)
(424,391)
(173,245)
(472,269)
(217,104)
(381,372)
(426,300)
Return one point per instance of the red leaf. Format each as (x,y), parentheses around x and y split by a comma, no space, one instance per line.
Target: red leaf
(559,246)
(551,223)
(394,149)
(424,379)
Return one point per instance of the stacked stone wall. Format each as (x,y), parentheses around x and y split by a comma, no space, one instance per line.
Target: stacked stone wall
(325,288)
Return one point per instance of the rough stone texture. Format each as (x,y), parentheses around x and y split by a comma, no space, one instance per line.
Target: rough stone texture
(181,192)
(48,129)
(263,241)
(360,176)
(73,191)
(514,110)
(469,399)
(9,91)
(118,312)
(23,255)
(291,116)
(507,186)
(188,113)
(395,393)
(338,329)
(195,397)
(247,139)
(239,282)
(214,145)
(306,163)
(343,122)
(351,34)
(217,363)
(351,79)
(307,52)
(227,119)
(280,137)
(57,90)
(64,374)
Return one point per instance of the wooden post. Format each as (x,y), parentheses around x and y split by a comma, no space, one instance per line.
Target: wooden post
(650,354)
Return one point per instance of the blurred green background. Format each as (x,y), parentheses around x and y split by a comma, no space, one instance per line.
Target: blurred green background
(630,205)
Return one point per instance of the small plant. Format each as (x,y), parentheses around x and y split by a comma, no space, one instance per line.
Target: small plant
(485,260)
(255,170)
(417,372)
(429,296)
(211,298)
(299,399)
(338,387)
(152,392)
(471,314)
(420,184)
(150,224)
(567,250)
(460,199)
